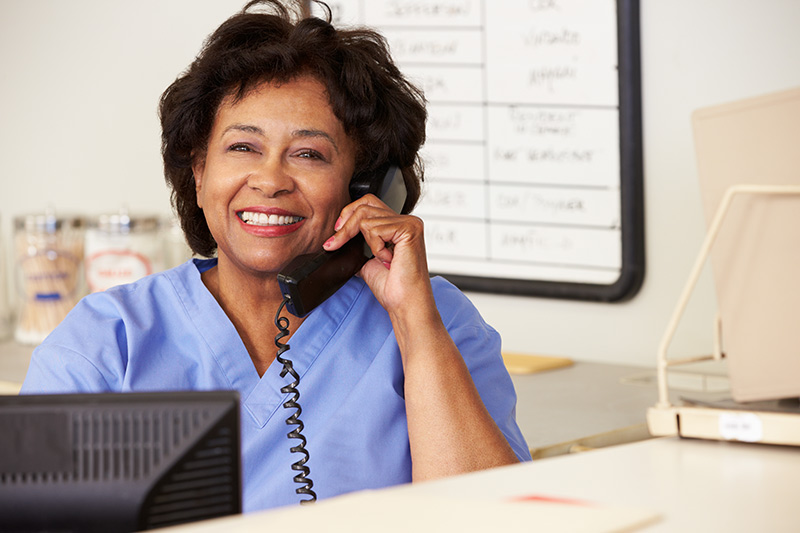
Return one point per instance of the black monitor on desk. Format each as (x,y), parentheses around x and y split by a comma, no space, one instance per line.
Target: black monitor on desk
(118,462)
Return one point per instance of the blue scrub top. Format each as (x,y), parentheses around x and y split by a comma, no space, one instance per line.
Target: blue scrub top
(167,332)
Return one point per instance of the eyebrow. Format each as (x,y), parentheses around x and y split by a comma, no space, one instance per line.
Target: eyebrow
(249,128)
(316,133)
(244,127)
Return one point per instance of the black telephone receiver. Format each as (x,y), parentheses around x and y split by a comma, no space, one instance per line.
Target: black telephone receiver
(307,281)
(310,279)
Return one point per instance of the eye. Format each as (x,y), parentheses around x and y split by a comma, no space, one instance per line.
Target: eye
(240,147)
(310,154)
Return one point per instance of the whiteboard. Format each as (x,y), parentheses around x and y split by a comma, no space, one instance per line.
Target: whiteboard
(533,161)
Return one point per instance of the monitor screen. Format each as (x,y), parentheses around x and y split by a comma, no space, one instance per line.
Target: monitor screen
(118,462)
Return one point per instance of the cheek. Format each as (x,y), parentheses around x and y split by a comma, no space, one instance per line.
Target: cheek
(213,192)
(333,201)
(205,197)
(342,199)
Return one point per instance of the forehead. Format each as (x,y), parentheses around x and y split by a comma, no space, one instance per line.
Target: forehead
(303,98)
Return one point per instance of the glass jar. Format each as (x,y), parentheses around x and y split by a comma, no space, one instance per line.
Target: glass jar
(48,253)
(121,249)
(5,303)
(176,249)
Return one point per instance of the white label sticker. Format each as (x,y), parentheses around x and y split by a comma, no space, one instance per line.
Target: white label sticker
(115,267)
(745,427)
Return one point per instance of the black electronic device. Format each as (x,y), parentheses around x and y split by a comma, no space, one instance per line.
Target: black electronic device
(310,279)
(118,462)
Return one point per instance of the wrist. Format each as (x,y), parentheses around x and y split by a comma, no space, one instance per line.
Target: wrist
(415,308)
(419,330)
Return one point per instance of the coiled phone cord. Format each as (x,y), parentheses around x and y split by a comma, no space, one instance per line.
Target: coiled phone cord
(282,323)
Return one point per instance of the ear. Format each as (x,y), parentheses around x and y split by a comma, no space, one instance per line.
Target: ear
(198,168)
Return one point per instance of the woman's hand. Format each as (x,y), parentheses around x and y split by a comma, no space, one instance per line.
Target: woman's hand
(450,431)
(398,274)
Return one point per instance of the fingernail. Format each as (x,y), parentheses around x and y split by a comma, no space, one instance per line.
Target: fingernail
(387,264)
(328,243)
(338,224)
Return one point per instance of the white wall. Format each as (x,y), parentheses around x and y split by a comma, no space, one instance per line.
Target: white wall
(80,81)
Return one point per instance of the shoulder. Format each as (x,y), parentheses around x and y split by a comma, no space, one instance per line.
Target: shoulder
(455,308)
(478,342)
(444,289)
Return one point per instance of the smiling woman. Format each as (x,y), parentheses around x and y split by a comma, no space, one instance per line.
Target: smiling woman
(381,112)
(402,380)
(275,153)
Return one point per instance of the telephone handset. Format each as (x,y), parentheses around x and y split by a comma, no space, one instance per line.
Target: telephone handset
(306,282)
(310,279)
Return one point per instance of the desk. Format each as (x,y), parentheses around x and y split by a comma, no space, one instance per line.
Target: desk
(695,486)
(701,486)
(584,405)
(558,411)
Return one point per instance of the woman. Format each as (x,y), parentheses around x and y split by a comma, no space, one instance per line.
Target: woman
(401,379)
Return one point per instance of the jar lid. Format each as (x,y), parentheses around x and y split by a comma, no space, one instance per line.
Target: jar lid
(47,222)
(124,223)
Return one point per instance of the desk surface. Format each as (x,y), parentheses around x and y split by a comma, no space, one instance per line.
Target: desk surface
(695,485)
(692,486)
(586,404)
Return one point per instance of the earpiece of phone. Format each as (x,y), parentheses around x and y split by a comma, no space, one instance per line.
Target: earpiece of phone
(310,279)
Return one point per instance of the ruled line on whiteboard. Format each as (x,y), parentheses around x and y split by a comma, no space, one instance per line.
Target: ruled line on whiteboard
(395,27)
(532,185)
(512,103)
(515,223)
(489,261)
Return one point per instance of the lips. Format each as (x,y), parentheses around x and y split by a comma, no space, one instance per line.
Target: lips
(254,218)
(269,222)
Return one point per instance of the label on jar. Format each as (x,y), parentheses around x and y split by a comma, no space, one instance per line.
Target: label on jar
(117,258)
(115,267)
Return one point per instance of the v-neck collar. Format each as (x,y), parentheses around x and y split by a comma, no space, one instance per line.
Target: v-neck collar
(260,396)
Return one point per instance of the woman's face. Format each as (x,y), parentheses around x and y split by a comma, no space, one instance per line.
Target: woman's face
(275,175)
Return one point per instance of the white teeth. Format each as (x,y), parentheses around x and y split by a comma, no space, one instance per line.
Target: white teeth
(263,219)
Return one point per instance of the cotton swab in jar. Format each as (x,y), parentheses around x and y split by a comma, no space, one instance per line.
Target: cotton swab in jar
(49,256)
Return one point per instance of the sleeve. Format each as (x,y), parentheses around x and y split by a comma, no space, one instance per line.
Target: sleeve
(85,353)
(480,346)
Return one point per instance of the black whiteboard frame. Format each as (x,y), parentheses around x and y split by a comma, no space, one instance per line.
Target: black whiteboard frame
(631,190)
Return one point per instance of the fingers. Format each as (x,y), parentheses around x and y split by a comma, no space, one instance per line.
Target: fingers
(368,201)
(398,275)
(382,228)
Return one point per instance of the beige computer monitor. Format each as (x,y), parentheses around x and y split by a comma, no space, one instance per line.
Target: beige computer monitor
(756,257)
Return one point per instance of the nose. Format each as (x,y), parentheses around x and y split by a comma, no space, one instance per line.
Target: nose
(271,178)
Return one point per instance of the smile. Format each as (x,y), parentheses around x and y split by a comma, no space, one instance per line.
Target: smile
(263,219)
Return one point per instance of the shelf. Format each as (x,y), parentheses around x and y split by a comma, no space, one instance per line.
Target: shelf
(725,424)
(721,419)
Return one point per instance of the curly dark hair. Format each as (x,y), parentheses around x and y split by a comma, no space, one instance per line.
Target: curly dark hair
(380,110)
